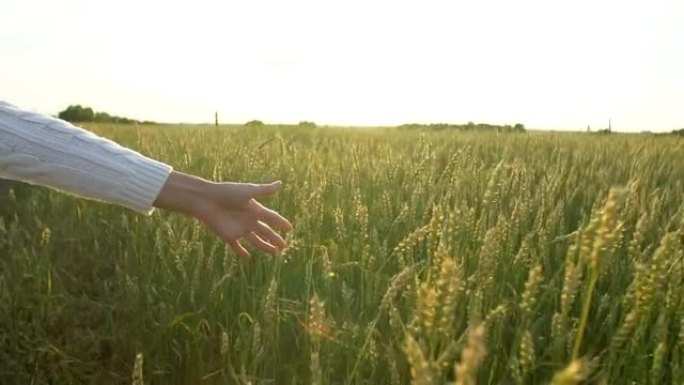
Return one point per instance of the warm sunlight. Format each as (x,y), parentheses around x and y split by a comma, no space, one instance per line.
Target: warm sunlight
(264,192)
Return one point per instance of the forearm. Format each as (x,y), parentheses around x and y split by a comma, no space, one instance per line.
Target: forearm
(41,150)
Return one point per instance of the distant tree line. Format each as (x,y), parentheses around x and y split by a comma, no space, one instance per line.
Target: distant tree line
(259,123)
(679,132)
(470,126)
(79,114)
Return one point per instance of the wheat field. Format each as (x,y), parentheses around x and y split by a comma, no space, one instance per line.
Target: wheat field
(416,258)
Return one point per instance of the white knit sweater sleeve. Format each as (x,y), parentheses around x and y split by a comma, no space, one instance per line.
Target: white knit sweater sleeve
(42,150)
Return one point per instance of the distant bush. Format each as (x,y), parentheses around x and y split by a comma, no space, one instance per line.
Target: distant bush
(77,113)
(254,123)
(605,131)
(307,124)
(679,132)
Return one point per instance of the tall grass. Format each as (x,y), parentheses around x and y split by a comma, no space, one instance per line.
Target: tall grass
(424,258)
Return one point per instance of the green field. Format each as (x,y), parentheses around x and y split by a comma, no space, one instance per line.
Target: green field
(529,258)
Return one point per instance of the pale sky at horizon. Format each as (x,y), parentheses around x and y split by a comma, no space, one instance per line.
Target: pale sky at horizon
(545,64)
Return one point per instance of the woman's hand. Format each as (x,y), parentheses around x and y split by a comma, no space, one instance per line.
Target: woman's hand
(230,210)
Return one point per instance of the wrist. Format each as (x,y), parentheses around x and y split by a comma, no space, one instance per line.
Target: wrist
(182,193)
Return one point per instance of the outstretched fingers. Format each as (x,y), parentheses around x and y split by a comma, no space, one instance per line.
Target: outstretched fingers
(259,243)
(262,190)
(272,218)
(266,232)
(238,248)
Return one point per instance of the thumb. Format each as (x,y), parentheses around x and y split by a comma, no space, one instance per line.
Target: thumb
(260,190)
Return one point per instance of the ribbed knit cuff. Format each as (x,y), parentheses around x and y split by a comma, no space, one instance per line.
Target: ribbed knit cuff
(147,178)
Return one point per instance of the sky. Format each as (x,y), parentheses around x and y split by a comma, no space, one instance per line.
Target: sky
(546,64)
